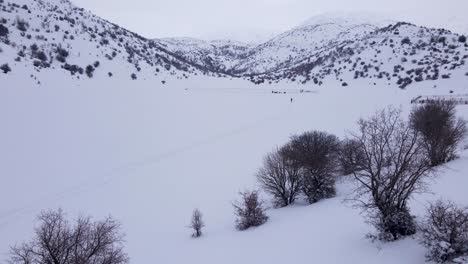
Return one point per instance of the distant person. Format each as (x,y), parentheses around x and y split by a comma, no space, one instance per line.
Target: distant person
(291,100)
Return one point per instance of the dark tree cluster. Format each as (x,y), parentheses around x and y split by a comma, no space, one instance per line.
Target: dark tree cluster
(307,165)
(89,71)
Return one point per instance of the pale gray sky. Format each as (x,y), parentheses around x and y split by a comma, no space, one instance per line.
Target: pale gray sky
(244,19)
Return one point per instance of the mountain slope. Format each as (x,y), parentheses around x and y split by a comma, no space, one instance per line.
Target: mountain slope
(340,48)
(58,36)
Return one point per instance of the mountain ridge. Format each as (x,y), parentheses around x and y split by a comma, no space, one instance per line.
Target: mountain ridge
(74,40)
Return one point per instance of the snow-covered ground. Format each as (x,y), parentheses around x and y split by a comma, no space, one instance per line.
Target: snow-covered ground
(148,154)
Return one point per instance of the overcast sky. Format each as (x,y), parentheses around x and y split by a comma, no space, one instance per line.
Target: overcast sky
(244,19)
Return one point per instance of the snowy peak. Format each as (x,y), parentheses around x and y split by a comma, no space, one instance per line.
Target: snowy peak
(348,19)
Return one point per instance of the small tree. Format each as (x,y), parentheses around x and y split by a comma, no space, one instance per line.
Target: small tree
(394,168)
(250,211)
(445,231)
(280,177)
(317,154)
(441,131)
(56,241)
(197,223)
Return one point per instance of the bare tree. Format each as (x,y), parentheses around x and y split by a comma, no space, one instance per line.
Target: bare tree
(197,223)
(57,242)
(441,130)
(280,177)
(445,231)
(394,168)
(317,154)
(351,157)
(250,211)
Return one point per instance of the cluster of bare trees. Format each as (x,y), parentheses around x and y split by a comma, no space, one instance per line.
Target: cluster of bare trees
(305,165)
(56,241)
(390,158)
(394,159)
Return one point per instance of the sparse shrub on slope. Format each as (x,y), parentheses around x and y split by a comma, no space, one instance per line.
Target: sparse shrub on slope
(3,31)
(250,211)
(5,68)
(441,131)
(394,167)
(57,241)
(89,71)
(21,24)
(462,39)
(445,231)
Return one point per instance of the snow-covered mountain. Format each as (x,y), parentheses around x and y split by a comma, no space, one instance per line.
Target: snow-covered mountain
(55,35)
(343,47)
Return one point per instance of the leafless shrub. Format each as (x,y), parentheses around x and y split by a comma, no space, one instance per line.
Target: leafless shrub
(197,223)
(394,168)
(57,242)
(445,231)
(441,131)
(280,177)
(250,211)
(316,153)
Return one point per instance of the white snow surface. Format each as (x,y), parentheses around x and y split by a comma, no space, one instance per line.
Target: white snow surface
(148,154)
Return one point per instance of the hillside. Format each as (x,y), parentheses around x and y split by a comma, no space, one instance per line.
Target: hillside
(56,36)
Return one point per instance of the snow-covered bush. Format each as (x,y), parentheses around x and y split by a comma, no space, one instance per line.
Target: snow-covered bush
(441,131)
(5,68)
(57,241)
(280,177)
(3,31)
(445,231)
(89,71)
(316,153)
(394,167)
(197,223)
(250,211)
(21,24)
